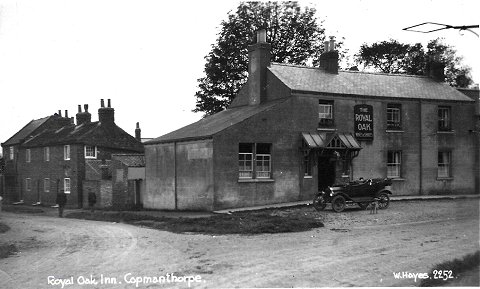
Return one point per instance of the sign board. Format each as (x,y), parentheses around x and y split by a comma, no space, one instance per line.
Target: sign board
(363,121)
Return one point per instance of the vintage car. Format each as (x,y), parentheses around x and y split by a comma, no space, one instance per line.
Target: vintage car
(361,192)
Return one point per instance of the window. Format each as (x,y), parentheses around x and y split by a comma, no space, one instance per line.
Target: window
(12,153)
(394,164)
(66,152)
(46,185)
(46,154)
(444,160)
(28,184)
(325,113)
(307,166)
(444,119)
(394,120)
(90,152)
(27,155)
(248,154)
(66,185)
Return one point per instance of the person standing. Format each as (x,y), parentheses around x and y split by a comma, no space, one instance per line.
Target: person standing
(92,200)
(61,202)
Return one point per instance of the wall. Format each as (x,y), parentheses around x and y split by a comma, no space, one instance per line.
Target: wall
(160,177)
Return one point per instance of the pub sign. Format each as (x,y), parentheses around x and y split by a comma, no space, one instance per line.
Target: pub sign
(363,120)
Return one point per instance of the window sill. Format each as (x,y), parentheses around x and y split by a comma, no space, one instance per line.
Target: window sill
(326,129)
(307,177)
(256,180)
(445,132)
(445,179)
(394,131)
(397,179)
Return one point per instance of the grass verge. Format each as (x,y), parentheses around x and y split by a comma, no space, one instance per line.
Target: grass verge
(460,268)
(262,222)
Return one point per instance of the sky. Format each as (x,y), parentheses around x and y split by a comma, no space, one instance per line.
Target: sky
(146,55)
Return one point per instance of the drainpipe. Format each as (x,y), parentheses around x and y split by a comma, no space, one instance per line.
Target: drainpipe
(175,173)
(420,153)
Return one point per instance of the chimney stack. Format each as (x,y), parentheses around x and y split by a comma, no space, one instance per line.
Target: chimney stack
(436,68)
(329,58)
(258,61)
(106,115)
(83,117)
(138,133)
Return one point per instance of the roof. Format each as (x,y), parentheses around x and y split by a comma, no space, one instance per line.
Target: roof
(207,127)
(130,160)
(473,93)
(91,133)
(26,131)
(317,80)
(317,140)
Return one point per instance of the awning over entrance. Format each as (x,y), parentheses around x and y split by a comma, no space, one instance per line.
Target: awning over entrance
(335,140)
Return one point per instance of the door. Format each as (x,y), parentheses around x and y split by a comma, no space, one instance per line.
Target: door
(326,172)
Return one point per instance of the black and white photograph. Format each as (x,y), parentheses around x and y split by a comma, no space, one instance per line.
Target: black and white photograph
(230,144)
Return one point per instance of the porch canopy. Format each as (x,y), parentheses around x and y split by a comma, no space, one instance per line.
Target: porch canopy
(333,140)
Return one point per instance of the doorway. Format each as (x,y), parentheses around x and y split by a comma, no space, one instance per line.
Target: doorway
(326,172)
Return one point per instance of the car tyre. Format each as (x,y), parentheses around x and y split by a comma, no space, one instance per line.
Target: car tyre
(384,201)
(338,203)
(319,203)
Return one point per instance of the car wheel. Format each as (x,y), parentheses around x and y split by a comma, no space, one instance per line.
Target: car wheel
(338,204)
(319,203)
(364,205)
(384,201)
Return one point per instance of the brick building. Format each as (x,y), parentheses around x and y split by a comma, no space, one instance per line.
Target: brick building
(54,153)
(294,129)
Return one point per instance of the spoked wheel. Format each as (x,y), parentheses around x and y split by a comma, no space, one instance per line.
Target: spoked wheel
(384,201)
(319,203)
(338,204)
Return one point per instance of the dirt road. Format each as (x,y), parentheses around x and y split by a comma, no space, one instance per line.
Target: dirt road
(354,248)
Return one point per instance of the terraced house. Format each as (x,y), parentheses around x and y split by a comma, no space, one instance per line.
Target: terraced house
(53,153)
(293,130)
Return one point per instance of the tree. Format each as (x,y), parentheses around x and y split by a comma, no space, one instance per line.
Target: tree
(394,57)
(293,32)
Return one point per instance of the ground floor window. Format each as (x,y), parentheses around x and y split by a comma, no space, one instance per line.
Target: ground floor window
(46,185)
(254,160)
(307,166)
(28,184)
(444,161)
(66,185)
(394,164)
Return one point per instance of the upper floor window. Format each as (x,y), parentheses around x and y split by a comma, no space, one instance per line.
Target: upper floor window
(258,154)
(90,152)
(66,185)
(444,161)
(394,164)
(444,118)
(28,155)
(394,119)
(66,152)
(12,153)
(46,154)
(325,113)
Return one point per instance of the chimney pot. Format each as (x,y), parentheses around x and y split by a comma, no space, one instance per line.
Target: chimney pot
(102,103)
(332,43)
(262,36)
(109,102)
(326,46)
(66,113)
(138,133)
(85,106)
(79,108)
(59,112)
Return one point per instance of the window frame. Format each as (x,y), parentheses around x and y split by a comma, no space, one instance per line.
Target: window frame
(394,110)
(46,154)
(85,150)
(28,155)
(11,153)
(66,152)
(256,162)
(28,184)
(67,185)
(444,120)
(396,164)
(447,165)
(46,185)
(307,166)
(322,120)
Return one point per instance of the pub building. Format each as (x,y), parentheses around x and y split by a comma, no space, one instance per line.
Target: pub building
(293,130)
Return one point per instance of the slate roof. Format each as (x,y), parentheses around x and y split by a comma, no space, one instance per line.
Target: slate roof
(26,131)
(130,160)
(207,127)
(316,80)
(93,133)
